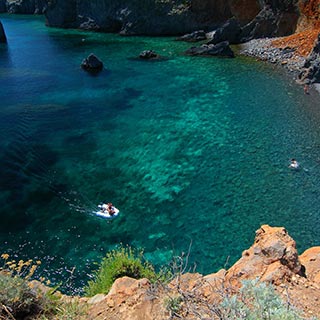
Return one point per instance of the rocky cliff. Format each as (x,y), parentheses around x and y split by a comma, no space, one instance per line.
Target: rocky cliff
(161,17)
(273,258)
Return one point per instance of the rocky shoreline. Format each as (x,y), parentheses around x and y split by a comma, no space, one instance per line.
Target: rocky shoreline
(263,49)
(306,70)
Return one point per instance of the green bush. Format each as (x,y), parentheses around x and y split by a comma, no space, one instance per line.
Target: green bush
(119,263)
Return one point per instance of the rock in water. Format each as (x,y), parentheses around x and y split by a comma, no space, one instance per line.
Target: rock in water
(148,54)
(221,49)
(3,38)
(92,63)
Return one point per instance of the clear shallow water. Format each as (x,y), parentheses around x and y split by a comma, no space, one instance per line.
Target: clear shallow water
(192,150)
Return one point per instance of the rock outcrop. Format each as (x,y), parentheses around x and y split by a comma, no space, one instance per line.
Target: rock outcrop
(275,19)
(229,31)
(272,258)
(3,38)
(311,72)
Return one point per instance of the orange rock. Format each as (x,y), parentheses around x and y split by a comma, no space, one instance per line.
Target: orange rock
(272,257)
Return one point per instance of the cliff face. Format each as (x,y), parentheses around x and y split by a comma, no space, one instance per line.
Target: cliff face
(149,17)
(161,17)
(23,6)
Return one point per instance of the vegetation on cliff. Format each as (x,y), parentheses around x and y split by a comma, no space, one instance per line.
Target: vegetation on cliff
(118,263)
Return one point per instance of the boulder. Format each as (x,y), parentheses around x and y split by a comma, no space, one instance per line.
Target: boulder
(92,63)
(194,36)
(273,258)
(221,49)
(229,31)
(3,38)
(148,54)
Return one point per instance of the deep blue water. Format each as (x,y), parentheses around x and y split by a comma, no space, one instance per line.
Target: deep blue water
(193,151)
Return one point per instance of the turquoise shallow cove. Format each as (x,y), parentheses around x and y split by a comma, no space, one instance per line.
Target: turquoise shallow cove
(193,151)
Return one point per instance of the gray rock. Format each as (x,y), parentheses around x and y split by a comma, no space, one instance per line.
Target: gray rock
(3,38)
(148,54)
(229,31)
(92,63)
(194,36)
(221,49)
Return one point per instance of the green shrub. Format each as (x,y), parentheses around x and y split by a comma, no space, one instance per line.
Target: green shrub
(119,263)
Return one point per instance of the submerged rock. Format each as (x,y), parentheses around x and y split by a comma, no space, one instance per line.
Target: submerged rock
(221,49)
(148,54)
(92,63)
(3,38)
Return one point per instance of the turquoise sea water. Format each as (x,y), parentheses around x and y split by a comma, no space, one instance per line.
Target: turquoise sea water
(193,151)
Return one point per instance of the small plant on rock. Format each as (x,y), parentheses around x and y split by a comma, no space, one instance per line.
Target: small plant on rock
(18,300)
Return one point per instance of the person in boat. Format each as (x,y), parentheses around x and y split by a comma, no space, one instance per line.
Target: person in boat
(294,164)
(110,208)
